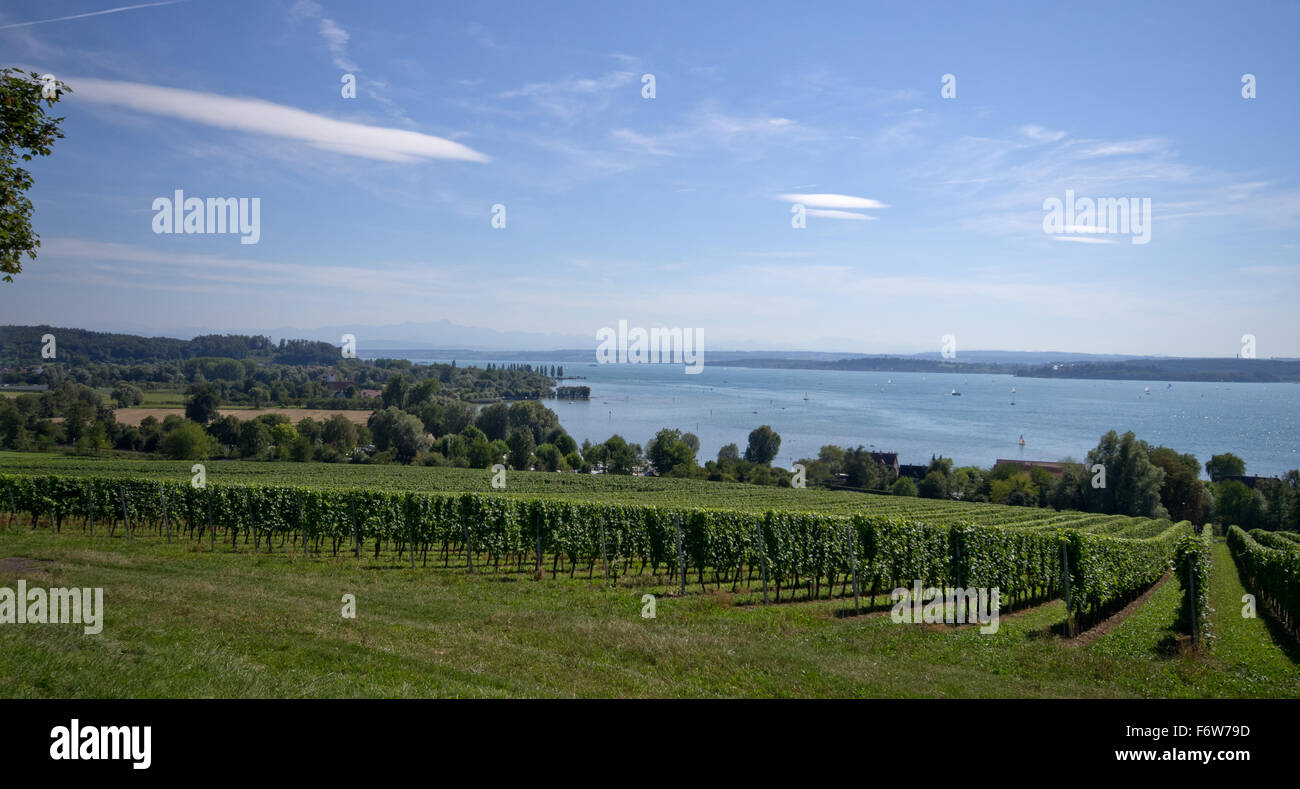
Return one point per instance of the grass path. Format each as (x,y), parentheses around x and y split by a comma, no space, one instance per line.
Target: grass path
(1253,650)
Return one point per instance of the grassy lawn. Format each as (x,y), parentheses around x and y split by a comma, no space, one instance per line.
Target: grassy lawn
(182,622)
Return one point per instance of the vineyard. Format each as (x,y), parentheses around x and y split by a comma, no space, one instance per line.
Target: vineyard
(1270,566)
(1096,563)
(599,488)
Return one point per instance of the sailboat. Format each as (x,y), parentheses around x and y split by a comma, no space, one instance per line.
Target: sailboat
(955,393)
(1148,390)
(805,395)
(1022,439)
(1013,395)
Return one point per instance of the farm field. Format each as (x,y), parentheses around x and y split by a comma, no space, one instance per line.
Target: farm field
(184,622)
(134,416)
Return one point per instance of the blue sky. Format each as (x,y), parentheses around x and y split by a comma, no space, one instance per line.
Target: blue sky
(676,210)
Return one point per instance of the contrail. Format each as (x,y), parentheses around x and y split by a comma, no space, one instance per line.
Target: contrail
(92,13)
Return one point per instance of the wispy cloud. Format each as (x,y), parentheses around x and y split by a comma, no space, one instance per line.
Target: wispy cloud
(569,98)
(336,38)
(276,120)
(480,35)
(708,127)
(91,13)
(1039,134)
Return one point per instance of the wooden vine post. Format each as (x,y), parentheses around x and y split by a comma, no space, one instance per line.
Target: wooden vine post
(410,534)
(762,558)
(1069,609)
(125,516)
(604,552)
(853,561)
(469,549)
(537,516)
(681,557)
(162,494)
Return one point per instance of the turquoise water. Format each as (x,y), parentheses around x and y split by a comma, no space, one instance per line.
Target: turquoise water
(916,415)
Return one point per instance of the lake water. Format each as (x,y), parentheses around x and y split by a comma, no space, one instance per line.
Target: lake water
(916,415)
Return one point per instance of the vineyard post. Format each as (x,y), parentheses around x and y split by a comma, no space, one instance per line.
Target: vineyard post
(853,559)
(469,549)
(762,558)
(603,551)
(252,524)
(212,533)
(302,524)
(410,534)
(356,535)
(166,521)
(537,517)
(90,506)
(125,517)
(681,557)
(13,509)
(1069,611)
(1191,597)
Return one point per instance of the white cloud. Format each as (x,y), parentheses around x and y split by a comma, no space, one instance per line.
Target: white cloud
(1126,148)
(832,201)
(1039,134)
(1085,239)
(832,214)
(276,120)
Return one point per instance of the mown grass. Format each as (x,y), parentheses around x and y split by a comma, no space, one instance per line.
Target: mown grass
(183,622)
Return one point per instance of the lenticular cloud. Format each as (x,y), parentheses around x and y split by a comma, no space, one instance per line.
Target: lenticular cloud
(276,120)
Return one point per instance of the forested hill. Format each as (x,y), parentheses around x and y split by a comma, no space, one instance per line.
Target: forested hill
(21,345)
(1215,370)
(1212,370)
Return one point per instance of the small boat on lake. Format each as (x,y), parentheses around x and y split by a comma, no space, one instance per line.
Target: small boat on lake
(955,393)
